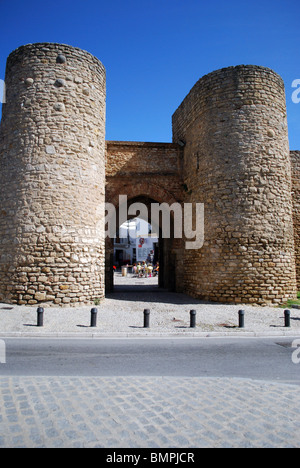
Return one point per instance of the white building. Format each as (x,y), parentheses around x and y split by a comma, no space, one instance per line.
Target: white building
(135,243)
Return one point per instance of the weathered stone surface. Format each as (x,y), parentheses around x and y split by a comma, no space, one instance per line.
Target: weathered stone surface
(236,162)
(51,186)
(61,59)
(29,81)
(60,83)
(59,106)
(295,159)
(230,151)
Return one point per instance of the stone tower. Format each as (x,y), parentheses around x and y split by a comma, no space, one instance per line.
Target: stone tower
(52,176)
(236,161)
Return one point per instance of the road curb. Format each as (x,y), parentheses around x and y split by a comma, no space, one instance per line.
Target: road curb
(147,334)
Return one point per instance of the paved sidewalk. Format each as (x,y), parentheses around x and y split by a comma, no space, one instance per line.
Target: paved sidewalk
(153,412)
(121,314)
(156,412)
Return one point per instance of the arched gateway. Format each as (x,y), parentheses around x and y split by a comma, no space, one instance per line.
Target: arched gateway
(147,173)
(229,154)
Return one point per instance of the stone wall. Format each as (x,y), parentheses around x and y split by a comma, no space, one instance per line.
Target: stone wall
(236,162)
(52,176)
(138,168)
(230,151)
(295,159)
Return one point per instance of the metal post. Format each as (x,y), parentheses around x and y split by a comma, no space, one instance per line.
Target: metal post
(94,312)
(241,319)
(40,317)
(146,318)
(287,318)
(193,319)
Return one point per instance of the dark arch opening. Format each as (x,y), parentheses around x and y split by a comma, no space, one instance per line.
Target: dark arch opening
(169,251)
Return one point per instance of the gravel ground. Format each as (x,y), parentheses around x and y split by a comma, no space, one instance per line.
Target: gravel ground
(121,313)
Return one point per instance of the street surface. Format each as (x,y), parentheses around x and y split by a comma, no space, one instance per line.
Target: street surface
(156,393)
(255,358)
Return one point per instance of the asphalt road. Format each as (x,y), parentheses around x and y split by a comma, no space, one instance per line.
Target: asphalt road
(268,359)
(149,393)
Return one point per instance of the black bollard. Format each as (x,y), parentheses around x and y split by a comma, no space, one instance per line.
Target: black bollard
(287,318)
(40,317)
(94,312)
(193,319)
(241,319)
(146,318)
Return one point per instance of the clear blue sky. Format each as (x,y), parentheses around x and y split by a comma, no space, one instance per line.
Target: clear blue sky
(154,51)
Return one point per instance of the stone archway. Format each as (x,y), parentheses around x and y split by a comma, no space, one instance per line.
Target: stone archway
(171,250)
(147,172)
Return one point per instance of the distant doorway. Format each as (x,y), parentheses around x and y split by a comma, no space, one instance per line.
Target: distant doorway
(138,258)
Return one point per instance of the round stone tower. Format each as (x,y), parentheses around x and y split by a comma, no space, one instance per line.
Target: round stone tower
(52,176)
(236,161)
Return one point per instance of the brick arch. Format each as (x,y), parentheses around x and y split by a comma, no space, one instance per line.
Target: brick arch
(146,172)
(153,170)
(142,189)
